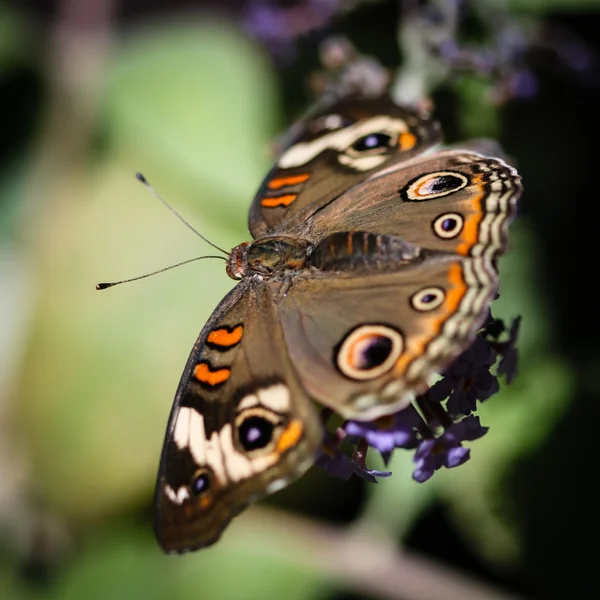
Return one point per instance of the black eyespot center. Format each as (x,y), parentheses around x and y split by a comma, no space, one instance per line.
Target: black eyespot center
(372,141)
(374,352)
(255,432)
(445,183)
(449,224)
(201,484)
(427,298)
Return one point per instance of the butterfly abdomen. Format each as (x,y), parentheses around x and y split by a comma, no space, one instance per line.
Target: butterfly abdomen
(356,249)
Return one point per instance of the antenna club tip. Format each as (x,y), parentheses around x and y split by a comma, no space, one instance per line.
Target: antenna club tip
(141,178)
(102,286)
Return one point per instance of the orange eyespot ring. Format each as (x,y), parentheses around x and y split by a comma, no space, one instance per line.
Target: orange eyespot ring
(369,351)
(436,185)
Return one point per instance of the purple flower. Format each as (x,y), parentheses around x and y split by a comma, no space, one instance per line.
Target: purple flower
(470,377)
(389,432)
(448,50)
(479,355)
(510,355)
(439,391)
(335,462)
(279,25)
(493,328)
(477,386)
(522,84)
(446,450)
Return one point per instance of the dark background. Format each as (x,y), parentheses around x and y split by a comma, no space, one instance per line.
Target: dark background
(542,492)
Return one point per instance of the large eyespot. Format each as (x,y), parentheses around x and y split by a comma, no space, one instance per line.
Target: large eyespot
(255,432)
(435,185)
(428,298)
(372,142)
(448,226)
(201,483)
(369,351)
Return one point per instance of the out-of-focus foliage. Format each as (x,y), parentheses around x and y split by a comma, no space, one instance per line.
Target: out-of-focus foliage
(87,378)
(177,108)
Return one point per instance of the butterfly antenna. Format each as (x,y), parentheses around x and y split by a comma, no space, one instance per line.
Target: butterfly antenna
(104,286)
(141,178)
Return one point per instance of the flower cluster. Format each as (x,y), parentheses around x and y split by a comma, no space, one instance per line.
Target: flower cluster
(508,50)
(440,420)
(280,24)
(504,57)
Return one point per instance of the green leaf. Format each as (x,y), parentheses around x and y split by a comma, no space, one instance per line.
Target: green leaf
(124,563)
(519,417)
(478,116)
(191,106)
(194,103)
(395,502)
(15,36)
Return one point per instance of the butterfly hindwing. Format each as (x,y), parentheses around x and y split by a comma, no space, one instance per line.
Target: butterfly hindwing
(366,338)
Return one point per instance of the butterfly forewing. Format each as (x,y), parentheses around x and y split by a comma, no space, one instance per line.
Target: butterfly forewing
(453,201)
(241,425)
(336,148)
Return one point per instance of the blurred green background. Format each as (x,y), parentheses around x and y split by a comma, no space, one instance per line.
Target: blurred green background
(193,94)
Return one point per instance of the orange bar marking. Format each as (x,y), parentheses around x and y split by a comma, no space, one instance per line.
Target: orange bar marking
(407,141)
(280,182)
(470,232)
(289,436)
(284,200)
(205,501)
(349,243)
(453,299)
(224,337)
(203,373)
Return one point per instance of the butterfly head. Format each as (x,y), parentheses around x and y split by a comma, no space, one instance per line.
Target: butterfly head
(267,257)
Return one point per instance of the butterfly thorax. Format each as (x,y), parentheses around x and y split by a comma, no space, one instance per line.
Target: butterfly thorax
(342,251)
(268,257)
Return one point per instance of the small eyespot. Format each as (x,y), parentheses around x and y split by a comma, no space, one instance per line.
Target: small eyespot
(436,185)
(427,299)
(255,432)
(448,226)
(369,351)
(372,141)
(201,483)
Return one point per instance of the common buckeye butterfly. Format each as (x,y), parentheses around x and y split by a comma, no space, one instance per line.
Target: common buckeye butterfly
(372,266)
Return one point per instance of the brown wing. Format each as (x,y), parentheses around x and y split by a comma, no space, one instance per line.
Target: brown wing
(334,149)
(453,201)
(362,340)
(240,428)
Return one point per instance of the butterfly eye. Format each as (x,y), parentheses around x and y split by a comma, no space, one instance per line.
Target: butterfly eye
(448,226)
(369,351)
(427,299)
(372,141)
(255,432)
(201,483)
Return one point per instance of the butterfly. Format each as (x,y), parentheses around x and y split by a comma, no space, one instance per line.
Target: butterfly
(372,266)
